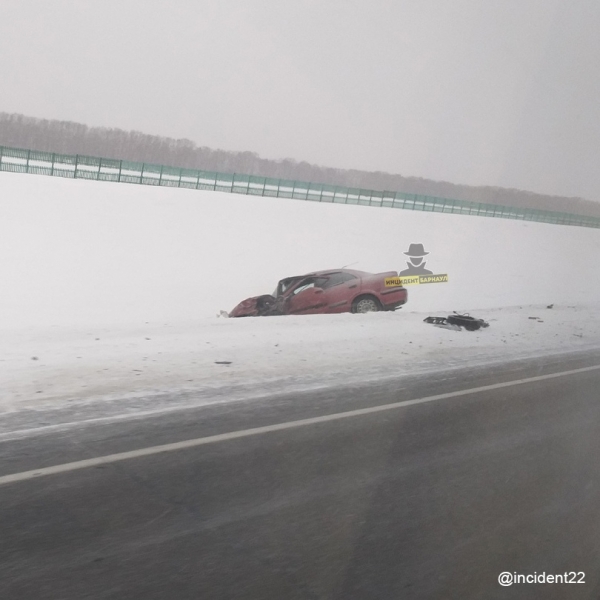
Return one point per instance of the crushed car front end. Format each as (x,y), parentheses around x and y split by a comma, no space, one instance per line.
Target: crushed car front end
(258,306)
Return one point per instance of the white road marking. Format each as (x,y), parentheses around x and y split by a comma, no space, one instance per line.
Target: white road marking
(223,437)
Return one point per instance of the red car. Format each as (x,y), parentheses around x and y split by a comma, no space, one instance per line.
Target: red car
(333,291)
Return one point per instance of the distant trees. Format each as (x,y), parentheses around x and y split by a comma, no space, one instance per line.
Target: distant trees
(75,138)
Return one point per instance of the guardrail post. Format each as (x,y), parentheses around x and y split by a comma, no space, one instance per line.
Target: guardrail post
(27,163)
(76,163)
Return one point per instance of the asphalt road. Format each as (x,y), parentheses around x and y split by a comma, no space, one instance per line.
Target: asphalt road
(425,501)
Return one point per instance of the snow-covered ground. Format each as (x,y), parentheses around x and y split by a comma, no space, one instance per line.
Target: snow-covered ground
(111,291)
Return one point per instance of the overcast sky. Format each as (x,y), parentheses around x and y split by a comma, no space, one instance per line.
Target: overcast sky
(494,92)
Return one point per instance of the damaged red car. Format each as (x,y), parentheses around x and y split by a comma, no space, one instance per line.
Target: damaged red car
(325,292)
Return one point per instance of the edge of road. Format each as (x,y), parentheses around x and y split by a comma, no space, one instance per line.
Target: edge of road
(49,420)
(281,426)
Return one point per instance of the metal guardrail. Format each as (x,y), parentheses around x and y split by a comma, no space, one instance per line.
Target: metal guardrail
(18,160)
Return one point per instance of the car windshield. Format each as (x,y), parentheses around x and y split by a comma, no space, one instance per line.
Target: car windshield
(285,284)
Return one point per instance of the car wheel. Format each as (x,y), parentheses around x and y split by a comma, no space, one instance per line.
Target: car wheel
(366,304)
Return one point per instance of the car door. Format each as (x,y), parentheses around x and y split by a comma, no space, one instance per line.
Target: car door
(307,297)
(339,291)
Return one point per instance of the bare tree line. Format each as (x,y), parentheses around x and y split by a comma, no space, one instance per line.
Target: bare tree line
(75,138)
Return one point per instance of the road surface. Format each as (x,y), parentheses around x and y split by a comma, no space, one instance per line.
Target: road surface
(425,500)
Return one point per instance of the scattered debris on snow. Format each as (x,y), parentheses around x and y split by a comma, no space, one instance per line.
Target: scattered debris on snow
(457,321)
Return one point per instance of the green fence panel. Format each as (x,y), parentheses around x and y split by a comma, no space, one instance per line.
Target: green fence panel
(40,163)
(15,153)
(388,199)
(131,172)
(256,185)
(398,202)
(224,182)
(300,191)
(328,193)
(240,183)
(188,179)
(207,180)
(88,167)
(314,192)
(430,204)
(14,160)
(409,201)
(419,203)
(286,188)
(460,207)
(436,205)
(20,160)
(340,196)
(170,177)
(271,187)
(352,196)
(376,199)
(364,197)
(64,166)
(151,174)
(110,170)
(445,205)
(492,210)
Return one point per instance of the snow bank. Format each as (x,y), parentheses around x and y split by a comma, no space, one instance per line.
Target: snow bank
(111,291)
(72,363)
(82,252)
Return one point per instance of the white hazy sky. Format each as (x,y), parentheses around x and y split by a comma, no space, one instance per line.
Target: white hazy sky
(495,92)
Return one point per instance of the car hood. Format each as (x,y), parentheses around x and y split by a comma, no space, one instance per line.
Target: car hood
(246,308)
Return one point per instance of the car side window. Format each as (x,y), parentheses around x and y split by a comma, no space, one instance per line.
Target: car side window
(303,287)
(309,283)
(285,284)
(338,278)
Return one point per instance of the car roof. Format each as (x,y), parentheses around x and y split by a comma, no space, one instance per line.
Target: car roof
(331,271)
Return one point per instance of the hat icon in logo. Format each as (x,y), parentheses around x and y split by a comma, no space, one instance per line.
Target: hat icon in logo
(416,250)
(416,266)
